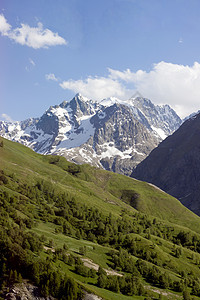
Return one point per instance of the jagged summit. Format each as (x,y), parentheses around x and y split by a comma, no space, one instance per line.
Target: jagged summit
(79,96)
(140,102)
(110,101)
(112,133)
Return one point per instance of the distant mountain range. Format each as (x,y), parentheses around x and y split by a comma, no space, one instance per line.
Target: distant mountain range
(174,165)
(112,134)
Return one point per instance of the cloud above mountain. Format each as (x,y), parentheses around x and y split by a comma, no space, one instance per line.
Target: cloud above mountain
(34,37)
(51,76)
(7,118)
(176,85)
(97,88)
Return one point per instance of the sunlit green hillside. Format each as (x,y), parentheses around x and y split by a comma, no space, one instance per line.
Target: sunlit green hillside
(71,229)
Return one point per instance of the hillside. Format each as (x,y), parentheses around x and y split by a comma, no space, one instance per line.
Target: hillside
(174,165)
(77,228)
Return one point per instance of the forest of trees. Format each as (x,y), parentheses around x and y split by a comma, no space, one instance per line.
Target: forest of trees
(18,245)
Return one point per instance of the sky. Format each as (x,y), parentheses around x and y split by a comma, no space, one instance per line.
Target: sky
(50,50)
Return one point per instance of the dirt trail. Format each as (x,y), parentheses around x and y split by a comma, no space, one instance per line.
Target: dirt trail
(90,264)
(164,293)
(91,297)
(48,248)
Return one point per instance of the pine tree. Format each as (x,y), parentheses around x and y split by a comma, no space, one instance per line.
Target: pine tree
(19,278)
(186,295)
(102,281)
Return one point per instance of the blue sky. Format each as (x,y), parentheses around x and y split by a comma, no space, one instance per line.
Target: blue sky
(50,50)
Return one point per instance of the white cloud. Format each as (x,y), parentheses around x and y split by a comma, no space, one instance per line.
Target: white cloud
(176,85)
(34,37)
(167,83)
(51,76)
(30,66)
(32,62)
(97,88)
(7,118)
(4,26)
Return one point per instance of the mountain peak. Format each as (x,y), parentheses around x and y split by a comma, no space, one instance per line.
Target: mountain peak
(113,133)
(109,101)
(141,101)
(79,96)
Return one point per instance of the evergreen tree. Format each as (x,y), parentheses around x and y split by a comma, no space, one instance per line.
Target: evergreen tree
(186,295)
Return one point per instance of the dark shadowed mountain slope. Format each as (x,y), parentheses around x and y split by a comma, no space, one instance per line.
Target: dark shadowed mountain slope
(174,165)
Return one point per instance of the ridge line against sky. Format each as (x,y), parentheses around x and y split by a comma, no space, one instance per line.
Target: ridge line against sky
(50,51)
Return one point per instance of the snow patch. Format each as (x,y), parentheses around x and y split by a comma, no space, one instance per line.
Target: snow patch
(109,150)
(110,101)
(160,132)
(77,137)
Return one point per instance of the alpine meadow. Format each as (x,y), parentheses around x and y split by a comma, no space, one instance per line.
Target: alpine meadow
(74,230)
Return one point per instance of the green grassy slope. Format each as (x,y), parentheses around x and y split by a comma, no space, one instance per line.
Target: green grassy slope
(82,212)
(106,190)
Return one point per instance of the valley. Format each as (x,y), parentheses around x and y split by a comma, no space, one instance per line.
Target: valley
(99,150)
(56,215)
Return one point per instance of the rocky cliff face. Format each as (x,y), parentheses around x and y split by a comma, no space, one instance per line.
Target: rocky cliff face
(174,165)
(161,119)
(113,134)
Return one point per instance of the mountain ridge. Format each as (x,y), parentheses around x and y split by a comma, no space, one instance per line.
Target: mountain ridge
(174,164)
(80,129)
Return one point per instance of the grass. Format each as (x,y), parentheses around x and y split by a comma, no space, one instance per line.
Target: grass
(111,194)
(102,189)
(95,252)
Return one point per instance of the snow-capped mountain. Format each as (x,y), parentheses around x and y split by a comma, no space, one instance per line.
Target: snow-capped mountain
(112,134)
(161,119)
